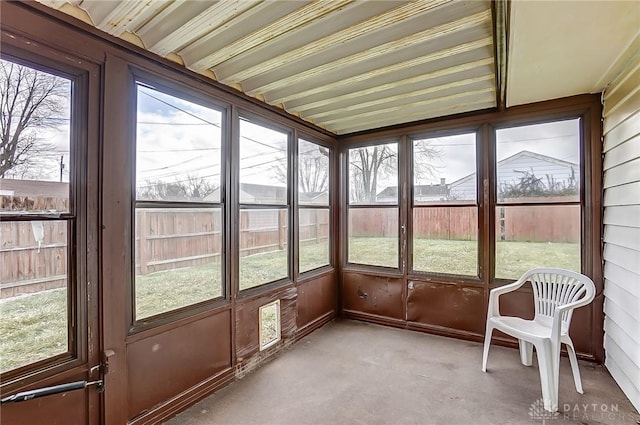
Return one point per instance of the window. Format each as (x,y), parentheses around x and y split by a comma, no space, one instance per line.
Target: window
(538,205)
(373,205)
(264,205)
(313,206)
(178,208)
(39,205)
(445,212)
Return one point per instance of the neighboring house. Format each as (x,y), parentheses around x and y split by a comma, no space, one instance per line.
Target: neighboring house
(34,188)
(314,198)
(422,193)
(251,193)
(511,169)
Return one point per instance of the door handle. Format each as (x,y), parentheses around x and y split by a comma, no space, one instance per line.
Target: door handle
(56,389)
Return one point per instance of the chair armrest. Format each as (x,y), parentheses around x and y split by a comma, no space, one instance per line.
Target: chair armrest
(556,326)
(494,305)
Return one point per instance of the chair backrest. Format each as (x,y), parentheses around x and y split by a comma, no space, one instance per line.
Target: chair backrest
(557,287)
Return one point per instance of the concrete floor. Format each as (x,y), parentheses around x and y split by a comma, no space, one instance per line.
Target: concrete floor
(357,373)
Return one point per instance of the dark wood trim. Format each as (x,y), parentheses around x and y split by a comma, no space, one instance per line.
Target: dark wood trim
(568,107)
(536,204)
(187,398)
(314,274)
(314,325)
(171,319)
(82,225)
(594,224)
(294,231)
(373,318)
(116,218)
(246,295)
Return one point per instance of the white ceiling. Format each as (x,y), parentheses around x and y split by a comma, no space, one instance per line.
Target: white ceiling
(351,65)
(564,48)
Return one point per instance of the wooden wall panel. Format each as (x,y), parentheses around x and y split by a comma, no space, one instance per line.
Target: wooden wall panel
(247,324)
(60,409)
(379,295)
(448,305)
(164,365)
(316,297)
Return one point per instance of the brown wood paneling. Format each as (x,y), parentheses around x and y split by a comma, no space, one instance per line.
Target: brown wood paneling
(316,297)
(59,409)
(164,365)
(581,331)
(367,293)
(247,323)
(448,305)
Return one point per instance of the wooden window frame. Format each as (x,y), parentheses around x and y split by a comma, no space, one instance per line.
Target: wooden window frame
(237,206)
(411,204)
(584,155)
(586,107)
(328,207)
(76,219)
(400,142)
(184,92)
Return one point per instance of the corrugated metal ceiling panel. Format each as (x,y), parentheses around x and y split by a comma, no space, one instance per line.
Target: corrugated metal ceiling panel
(345,65)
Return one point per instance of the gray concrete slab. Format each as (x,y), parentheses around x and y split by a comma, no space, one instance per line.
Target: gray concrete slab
(351,372)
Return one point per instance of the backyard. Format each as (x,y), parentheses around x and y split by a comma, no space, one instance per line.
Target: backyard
(34,326)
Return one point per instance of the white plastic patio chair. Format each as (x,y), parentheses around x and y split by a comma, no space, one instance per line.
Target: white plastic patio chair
(556,294)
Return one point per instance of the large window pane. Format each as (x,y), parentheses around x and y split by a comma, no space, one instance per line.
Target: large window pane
(313,174)
(314,238)
(445,240)
(536,236)
(373,175)
(35,171)
(263,246)
(35,122)
(539,163)
(373,236)
(177,252)
(33,292)
(444,169)
(177,149)
(263,165)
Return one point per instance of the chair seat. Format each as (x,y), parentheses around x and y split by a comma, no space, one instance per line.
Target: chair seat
(517,326)
(556,293)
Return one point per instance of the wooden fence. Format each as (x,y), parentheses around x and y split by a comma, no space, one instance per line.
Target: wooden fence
(559,223)
(173,238)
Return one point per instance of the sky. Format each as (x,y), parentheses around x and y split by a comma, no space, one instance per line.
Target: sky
(179,139)
(176,140)
(52,143)
(560,140)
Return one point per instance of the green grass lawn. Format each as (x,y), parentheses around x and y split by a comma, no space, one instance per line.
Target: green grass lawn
(33,327)
(461,257)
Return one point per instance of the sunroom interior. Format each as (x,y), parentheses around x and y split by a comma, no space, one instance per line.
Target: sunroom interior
(196,195)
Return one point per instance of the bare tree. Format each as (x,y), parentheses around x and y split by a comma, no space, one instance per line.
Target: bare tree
(29,100)
(371,164)
(368,165)
(313,169)
(193,188)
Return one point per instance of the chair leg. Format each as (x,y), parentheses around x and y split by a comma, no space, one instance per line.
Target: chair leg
(526,352)
(487,343)
(547,381)
(573,359)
